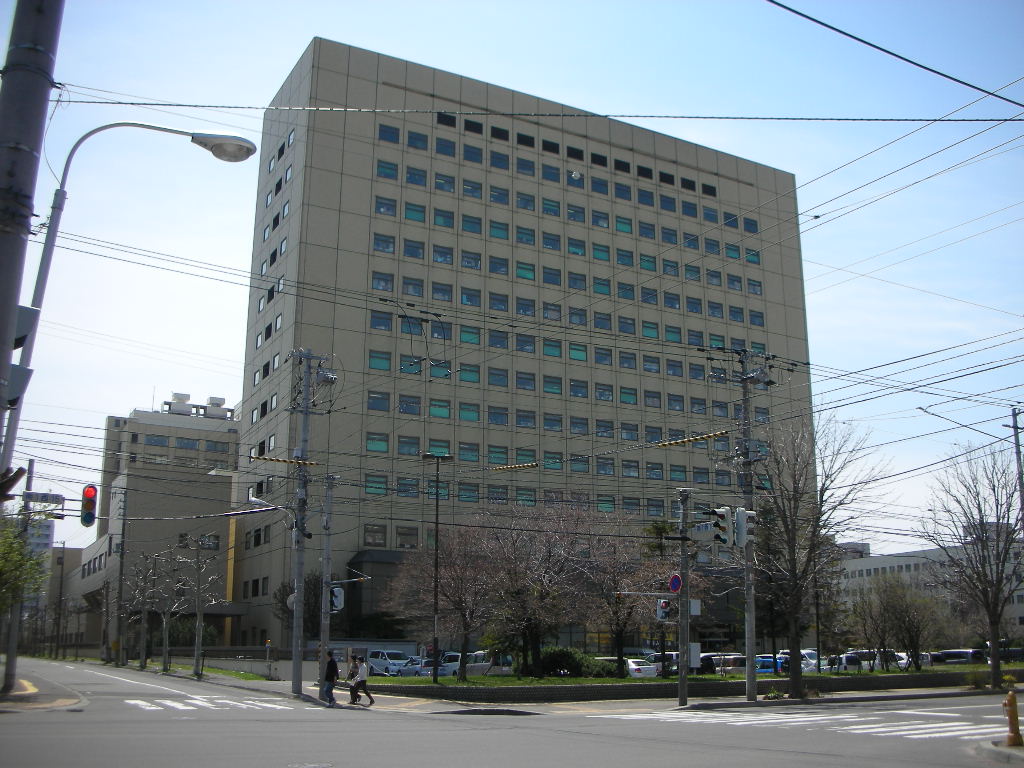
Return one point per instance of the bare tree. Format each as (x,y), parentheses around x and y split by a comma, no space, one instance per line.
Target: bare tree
(807,486)
(193,562)
(976,522)
(538,560)
(465,599)
(616,568)
(874,614)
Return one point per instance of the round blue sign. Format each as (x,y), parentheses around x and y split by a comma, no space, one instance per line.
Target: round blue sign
(675,583)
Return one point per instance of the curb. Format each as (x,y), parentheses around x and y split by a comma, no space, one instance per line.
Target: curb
(996,750)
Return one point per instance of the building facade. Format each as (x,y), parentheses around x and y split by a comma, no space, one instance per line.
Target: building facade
(507,281)
(165,486)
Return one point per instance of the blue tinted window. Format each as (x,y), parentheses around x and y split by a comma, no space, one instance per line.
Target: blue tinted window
(388,133)
(418,140)
(444,147)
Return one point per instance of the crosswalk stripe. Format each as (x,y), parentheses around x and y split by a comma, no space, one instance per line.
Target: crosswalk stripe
(867,725)
(142,704)
(174,704)
(267,704)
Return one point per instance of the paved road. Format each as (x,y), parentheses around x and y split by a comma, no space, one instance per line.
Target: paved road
(128,718)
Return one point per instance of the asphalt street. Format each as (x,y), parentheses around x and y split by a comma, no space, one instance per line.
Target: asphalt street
(129,718)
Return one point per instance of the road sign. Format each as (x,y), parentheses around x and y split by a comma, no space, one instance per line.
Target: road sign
(675,583)
(34,497)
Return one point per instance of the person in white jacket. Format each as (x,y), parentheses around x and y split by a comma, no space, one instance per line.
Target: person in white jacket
(359,684)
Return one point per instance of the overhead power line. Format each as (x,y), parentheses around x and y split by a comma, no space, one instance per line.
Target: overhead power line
(895,55)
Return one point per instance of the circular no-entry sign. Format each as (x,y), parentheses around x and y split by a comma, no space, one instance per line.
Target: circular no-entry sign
(675,583)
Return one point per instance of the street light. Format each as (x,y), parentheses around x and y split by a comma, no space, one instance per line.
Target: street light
(231,149)
(437,458)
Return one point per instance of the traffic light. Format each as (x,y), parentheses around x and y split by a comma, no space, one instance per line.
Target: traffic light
(720,525)
(661,609)
(337,599)
(744,523)
(90,495)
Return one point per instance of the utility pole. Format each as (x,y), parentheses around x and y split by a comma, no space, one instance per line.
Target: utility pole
(747,378)
(24,102)
(1020,470)
(14,620)
(60,603)
(325,576)
(684,592)
(299,533)
(120,655)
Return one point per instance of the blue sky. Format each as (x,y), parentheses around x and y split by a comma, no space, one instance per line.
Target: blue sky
(118,335)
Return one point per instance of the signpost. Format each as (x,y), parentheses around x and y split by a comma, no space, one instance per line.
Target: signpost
(34,497)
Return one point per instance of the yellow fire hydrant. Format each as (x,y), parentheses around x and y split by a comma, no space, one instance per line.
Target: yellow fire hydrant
(1013,738)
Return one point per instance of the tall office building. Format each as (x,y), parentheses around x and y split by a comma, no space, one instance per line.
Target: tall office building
(506,280)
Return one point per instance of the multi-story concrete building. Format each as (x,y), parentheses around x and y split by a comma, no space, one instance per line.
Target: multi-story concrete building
(919,567)
(165,483)
(506,280)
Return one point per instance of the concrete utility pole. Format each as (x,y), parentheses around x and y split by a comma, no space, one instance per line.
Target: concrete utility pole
(14,620)
(121,656)
(299,533)
(1020,468)
(684,593)
(749,604)
(60,604)
(24,101)
(325,576)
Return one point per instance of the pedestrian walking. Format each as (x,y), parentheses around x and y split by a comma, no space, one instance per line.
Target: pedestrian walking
(330,679)
(360,681)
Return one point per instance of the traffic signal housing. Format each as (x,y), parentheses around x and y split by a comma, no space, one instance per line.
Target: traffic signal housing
(661,609)
(720,524)
(743,523)
(90,495)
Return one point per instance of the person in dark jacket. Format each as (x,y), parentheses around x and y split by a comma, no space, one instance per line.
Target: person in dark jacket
(330,679)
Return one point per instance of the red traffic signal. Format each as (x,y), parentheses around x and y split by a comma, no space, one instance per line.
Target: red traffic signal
(661,610)
(90,495)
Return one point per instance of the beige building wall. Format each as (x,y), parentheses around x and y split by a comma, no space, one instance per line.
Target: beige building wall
(642,254)
(156,488)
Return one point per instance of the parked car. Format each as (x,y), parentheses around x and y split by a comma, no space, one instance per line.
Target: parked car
(634,667)
(671,658)
(413,667)
(765,664)
(964,656)
(844,662)
(386,662)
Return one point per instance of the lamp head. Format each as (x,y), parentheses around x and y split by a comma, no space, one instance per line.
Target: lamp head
(230,149)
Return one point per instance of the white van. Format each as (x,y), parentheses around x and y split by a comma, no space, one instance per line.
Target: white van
(386,662)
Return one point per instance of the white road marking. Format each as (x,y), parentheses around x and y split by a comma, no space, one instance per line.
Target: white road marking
(861,725)
(174,704)
(142,704)
(136,682)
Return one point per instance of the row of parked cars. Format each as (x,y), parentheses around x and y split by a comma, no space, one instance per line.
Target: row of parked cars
(393,663)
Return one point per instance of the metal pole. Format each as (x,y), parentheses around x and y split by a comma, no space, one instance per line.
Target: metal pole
(684,593)
(437,553)
(10,435)
(24,102)
(325,577)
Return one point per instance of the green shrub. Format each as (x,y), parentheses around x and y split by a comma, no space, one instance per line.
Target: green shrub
(568,662)
(976,679)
